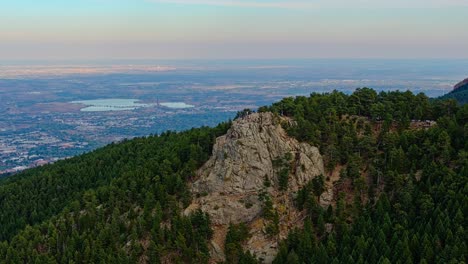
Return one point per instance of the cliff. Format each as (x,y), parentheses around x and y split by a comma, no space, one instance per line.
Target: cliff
(246,163)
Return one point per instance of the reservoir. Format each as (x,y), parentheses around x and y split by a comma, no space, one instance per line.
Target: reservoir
(102,105)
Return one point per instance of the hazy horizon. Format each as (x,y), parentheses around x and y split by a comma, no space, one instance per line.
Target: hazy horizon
(232,29)
(296,62)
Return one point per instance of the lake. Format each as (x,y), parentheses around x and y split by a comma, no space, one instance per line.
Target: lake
(102,105)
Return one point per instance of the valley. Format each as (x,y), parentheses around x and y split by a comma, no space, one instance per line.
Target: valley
(40,123)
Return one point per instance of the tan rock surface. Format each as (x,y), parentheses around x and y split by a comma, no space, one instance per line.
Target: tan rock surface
(229,183)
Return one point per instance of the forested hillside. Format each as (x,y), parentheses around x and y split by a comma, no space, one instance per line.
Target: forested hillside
(403,190)
(401,193)
(459,93)
(119,204)
(461,96)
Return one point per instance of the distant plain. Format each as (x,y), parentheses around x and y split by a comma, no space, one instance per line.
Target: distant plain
(49,110)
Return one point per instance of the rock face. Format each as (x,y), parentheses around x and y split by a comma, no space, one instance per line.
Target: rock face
(254,151)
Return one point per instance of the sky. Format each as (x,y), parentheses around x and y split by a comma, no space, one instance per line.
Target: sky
(232,29)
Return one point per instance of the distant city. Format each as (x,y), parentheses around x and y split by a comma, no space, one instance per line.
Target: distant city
(58,111)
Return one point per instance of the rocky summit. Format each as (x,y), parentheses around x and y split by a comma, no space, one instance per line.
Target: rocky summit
(246,165)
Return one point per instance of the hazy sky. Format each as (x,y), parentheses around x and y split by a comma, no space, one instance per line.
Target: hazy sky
(178,29)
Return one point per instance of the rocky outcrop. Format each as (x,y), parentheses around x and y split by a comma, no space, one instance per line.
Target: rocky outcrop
(255,150)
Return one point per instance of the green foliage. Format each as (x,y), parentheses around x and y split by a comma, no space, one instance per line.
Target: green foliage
(318,185)
(270,215)
(235,237)
(460,94)
(266,181)
(283,177)
(423,171)
(118,204)
(123,203)
(243,113)
(283,165)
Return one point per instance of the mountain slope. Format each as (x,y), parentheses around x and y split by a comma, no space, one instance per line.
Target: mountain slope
(402,193)
(459,92)
(107,203)
(396,189)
